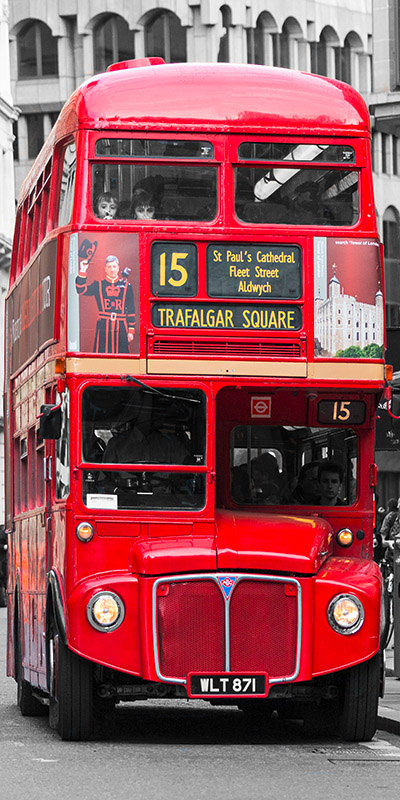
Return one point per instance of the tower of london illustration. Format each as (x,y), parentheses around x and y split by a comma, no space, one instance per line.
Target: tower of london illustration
(342,322)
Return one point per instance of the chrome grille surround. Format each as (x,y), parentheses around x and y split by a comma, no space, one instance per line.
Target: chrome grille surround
(237,578)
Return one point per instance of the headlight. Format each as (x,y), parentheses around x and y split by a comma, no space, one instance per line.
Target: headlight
(345,613)
(105,611)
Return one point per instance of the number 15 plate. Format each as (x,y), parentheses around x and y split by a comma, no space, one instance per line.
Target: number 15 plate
(227,684)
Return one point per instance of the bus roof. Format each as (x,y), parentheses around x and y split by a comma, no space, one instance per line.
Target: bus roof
(217,97)
(201,98)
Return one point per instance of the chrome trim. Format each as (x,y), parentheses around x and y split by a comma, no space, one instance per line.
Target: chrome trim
(238,576)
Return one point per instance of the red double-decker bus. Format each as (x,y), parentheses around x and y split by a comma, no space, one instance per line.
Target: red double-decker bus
(195,354)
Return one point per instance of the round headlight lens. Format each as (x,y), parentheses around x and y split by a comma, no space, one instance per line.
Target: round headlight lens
(345,537)
(346,613)
(105,611)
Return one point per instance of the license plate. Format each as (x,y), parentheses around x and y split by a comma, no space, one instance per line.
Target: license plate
(227,684)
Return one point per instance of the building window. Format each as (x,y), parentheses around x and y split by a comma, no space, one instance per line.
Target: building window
(35,130)
(347,60)
(395,157)
(391,249)
(37,51)
(262,41)
(384,142)
(166,38)
(323,53)
(112,42)
(223,52)
(397,46)
(15,143)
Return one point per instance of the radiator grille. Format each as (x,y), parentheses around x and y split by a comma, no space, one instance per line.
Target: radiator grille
(221,349)
(262,627)
(191,628)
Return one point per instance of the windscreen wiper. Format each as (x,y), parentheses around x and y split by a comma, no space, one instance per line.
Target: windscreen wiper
(153,390)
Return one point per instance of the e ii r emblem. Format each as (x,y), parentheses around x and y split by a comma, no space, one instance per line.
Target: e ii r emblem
(261,407)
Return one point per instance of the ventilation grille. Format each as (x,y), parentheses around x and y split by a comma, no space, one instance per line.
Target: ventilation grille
(218,348)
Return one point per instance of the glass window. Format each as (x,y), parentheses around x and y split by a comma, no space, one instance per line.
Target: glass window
(154,148)
(293,465)
(165,37)
(112,42)
(290,151)
(154,191)
(62,450)
(37,51)
(143,426)
(35,128)
(296,196)
(226,21)
(67,184)
(391,244)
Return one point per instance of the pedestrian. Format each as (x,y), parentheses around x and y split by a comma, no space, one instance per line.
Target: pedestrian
(389,519)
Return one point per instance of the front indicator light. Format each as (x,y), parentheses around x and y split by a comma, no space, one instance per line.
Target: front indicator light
(105,611)
(345,613)
(345,537)
(84,531)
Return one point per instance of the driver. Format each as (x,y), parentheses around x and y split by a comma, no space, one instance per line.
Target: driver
(134,446)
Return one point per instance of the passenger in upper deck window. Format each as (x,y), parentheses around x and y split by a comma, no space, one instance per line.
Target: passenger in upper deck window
(330,478)
(142,205)
(105,205)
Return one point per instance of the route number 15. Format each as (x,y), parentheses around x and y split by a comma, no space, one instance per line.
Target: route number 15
(174,269)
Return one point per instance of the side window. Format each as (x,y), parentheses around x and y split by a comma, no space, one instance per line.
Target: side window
(67,186)
(40,485)
(62,450)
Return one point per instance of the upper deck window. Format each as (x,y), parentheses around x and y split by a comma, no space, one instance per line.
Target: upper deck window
(154,191)
(154,148)
(301,196)
(67,186)
(283,151)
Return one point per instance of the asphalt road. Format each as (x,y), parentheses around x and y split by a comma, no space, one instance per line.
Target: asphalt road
(187,751)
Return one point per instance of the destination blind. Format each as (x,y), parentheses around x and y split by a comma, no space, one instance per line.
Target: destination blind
(256,271)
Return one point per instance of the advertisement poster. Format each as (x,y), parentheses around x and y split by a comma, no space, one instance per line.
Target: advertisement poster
(103,293)
(31,309)
(348,308)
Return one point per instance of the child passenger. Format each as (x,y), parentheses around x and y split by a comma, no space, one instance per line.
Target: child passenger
(105,205)
(142,205)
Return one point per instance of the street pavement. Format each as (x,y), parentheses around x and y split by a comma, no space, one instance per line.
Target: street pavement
(389,705)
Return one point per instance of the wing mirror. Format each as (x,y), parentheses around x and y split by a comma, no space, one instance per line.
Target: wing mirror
(50,421)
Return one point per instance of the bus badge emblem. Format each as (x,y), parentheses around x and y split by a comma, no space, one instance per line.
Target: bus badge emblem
(227,583)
